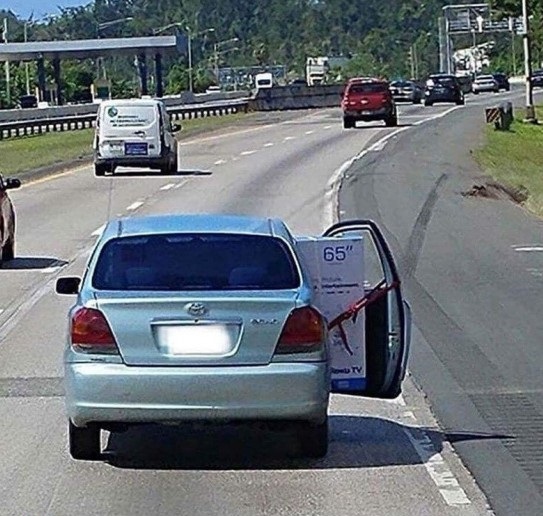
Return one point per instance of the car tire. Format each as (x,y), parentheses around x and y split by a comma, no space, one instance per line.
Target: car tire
(100,170)
(348,123)
(313,439)
(460,102)
(8,251)
(475,92)
(84,442)
(174,166)
(417,101)
(391,121)
(428,103)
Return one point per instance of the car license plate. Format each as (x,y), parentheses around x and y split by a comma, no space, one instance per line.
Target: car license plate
(197,339)
(135,149)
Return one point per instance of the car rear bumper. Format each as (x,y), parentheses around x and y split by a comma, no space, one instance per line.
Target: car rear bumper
(484,88)
(442,97)
(133,161)
(375,114)
(116,393)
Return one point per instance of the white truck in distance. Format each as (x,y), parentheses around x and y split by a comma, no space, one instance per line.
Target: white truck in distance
(315,70)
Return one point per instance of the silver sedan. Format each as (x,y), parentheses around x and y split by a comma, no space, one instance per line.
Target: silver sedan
(211,318)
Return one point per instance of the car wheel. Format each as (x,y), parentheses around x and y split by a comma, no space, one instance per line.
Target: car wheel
(391,121)
(8,251)
(84,442)
(313,439)
(348,123)
(428,103)
(417,101)
(460,102)
(100,170)
(174,166)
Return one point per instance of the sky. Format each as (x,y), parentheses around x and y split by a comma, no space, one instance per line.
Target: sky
(41,8)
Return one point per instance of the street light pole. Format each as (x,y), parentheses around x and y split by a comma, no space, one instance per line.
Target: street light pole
(6,65)
(191,84)
(27,73)
(530,110)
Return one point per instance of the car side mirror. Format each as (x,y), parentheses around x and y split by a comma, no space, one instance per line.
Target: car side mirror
(68,285)
(176,128)
(11,183)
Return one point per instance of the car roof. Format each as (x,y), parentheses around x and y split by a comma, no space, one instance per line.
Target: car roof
(197,223)
(359,80)
(130,102)
(442,76)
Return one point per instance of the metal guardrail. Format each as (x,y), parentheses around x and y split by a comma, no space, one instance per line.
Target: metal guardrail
(78,122)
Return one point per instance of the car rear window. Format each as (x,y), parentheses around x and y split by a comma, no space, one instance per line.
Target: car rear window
(368,88)
(180,262)
(128,116)
(443,81)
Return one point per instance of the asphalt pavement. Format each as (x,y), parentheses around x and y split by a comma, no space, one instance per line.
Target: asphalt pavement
(385,457)
(472,269)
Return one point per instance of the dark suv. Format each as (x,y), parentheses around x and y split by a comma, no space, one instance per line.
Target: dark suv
(443,88)
(7,220)
(367,100)
(502,80)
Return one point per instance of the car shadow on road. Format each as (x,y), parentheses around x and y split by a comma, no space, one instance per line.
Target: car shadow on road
(32,263)
(158,175)
(355,442)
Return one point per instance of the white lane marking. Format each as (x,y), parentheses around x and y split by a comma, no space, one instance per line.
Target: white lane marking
(1,311)
(53,268)
(331,197)
(528,248)
(220,162)
(167,187)
(247,152)
(99,231)
(288,138)
(435,465)
(327,127)
(536,273)
(135,205)
(269,144)
(309,132)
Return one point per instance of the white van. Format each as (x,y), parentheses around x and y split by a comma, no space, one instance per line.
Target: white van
(263,80)
(134,133)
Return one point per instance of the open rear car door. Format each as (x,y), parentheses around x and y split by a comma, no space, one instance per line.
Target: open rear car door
(387,314)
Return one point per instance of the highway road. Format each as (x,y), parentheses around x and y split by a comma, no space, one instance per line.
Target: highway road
(474,317)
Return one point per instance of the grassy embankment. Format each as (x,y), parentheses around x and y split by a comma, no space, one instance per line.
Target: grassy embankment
(20,156)
(515,158)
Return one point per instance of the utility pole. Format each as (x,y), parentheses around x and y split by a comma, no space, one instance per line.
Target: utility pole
(530,110)
(442,58)
(27,73)
(6,64)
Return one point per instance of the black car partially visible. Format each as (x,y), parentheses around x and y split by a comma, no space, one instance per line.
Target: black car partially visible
(502,80)
(28,101)
(537,78)
(443,88)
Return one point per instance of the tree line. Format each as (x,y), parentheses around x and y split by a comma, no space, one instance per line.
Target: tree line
(380,37)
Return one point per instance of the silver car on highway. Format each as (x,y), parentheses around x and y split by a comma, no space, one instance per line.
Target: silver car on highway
(185,318)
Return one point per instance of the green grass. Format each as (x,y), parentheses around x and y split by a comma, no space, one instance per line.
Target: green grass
(20,156)
(515,158)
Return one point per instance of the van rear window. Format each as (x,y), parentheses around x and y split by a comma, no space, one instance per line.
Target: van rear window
(129,116)
(181,262)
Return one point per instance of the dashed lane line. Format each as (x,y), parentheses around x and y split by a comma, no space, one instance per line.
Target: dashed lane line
(247,152)
(167,187)
(135,206)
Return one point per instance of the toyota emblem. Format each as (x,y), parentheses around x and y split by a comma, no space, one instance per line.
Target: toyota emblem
(196,309)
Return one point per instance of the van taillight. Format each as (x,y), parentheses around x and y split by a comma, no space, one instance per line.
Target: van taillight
(90,333)
(303,332)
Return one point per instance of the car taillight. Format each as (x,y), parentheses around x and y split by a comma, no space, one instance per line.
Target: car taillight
(90,333)
(303,332)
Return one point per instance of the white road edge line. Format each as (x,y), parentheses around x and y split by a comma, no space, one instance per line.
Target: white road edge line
(528,248)
(435,465)
(331,196)
(134,206)
(167,187)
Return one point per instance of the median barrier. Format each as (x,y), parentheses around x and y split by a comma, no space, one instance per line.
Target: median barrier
(296,96)
(70,123)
